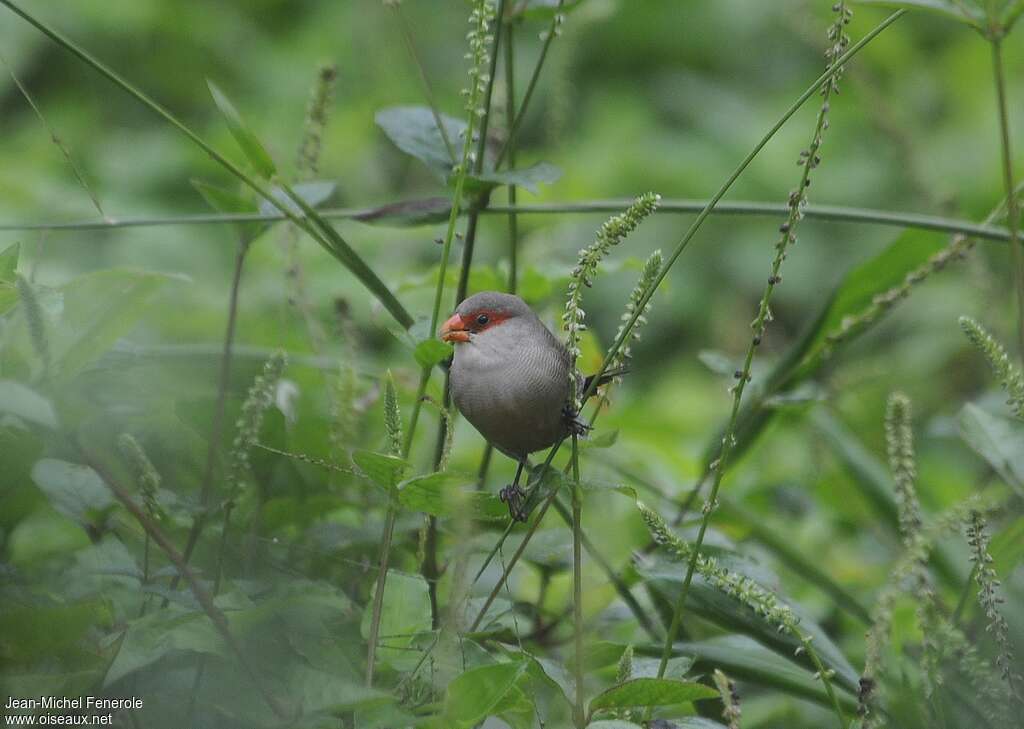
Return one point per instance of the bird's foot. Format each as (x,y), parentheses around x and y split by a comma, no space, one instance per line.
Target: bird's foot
(573,424)
(515,497)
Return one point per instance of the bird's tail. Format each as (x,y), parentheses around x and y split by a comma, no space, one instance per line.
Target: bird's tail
(605,378)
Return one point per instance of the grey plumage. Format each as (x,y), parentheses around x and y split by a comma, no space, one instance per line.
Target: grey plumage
(511,380)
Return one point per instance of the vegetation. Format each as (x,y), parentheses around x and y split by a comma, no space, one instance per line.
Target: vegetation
(232,482)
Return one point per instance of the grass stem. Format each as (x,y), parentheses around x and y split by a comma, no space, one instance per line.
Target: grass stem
(1012,211)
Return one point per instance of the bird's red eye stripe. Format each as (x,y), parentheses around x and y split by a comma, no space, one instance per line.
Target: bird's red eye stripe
(484,319)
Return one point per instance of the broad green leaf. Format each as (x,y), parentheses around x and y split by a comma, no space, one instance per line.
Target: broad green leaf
(743,658)
(965,11)
(86,316)
(405,614)
(75,491)
(999,440)
(232,202)
(650,692)
(247,141)
(431,352)
(1007,548)
(474,695)
(163,633)
(445,494)
(315,193)
(413,130)
(9,263)
(613,724)
(317,690)
(686,722)
(711,603)
(384,470)
(8,277)
(850,298)
(530,178)
(21,401)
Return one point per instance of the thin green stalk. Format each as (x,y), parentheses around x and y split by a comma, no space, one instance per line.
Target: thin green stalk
(552,31)
(835,213)
(428,92)
(75,169)
(510,111)
(378,595)
(309,222)
(1013,221)
(577,582)
(217,427)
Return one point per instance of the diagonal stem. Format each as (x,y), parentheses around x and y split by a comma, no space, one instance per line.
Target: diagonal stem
(1012,212)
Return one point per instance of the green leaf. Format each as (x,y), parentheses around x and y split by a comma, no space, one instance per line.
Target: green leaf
(9,263)
(745,659)
(613,724)
(529,178)
(247,141)
(315,193)
(475,694)
(965,11)
(27,404)
(711,603)
(162,633)
(404,615)
(384,470)
(445,494)
(75,491)
(431,352)
(1007,548)
(999,440)
(651,692)
(413,130)
(851,297)
(86,316)
(231,202)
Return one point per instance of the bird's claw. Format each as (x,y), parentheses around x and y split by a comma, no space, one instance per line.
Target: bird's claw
(515,497)
(573,424)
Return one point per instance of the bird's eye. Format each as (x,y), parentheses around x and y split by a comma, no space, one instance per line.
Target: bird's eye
(482,320)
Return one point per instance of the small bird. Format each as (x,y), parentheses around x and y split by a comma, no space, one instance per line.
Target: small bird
(510,378)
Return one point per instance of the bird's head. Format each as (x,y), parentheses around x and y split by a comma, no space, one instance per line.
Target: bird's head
(483,312)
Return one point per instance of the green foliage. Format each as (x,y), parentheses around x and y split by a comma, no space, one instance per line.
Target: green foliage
(112,347)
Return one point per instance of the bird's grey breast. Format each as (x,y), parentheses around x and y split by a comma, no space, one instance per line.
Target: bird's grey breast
(511,384)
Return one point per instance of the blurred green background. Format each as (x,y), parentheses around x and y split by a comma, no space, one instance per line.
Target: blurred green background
(658,95)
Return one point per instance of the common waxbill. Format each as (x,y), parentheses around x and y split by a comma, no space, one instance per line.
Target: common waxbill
(510,378)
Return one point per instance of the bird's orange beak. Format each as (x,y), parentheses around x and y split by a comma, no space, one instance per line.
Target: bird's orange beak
(454,330)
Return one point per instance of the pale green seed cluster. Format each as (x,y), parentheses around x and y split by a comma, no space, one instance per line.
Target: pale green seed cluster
(990,598)
(392,416)
(612,232)
(648,278)
(1009,376)
(737,586)
(146,475)
(258,400)
(480,40)
(899,438)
